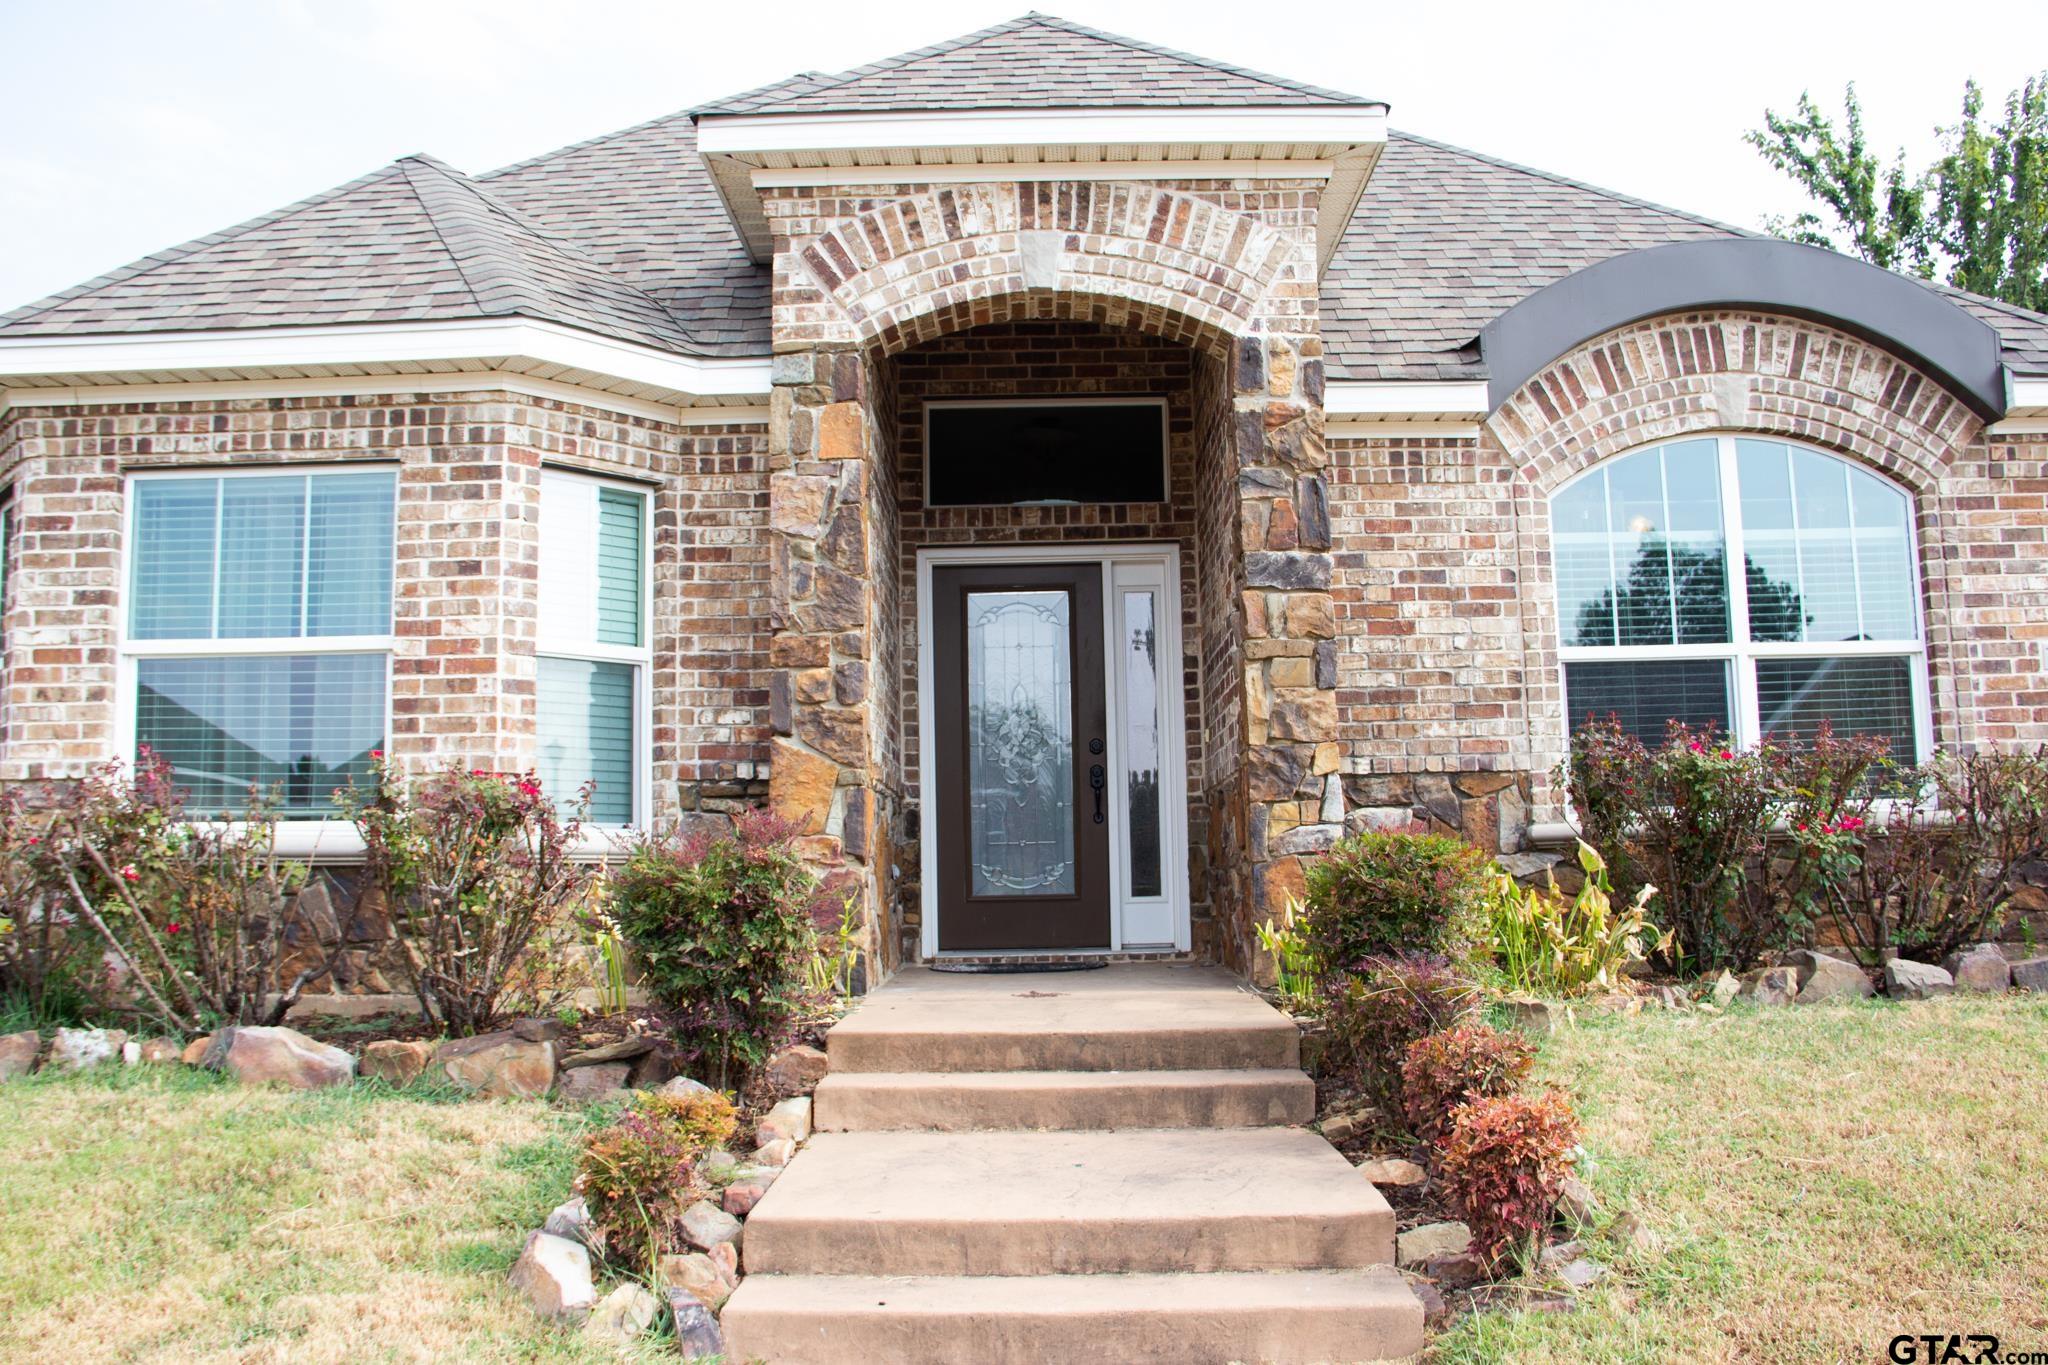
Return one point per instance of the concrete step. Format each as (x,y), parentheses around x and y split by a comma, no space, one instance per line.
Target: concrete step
(1011,1203)
(961,1101)
(1132,1018)
(1274,1317)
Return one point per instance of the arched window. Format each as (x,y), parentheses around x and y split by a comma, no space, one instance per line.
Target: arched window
(1824,621)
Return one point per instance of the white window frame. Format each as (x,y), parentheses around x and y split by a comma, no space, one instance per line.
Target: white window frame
(590,651)
(1741,654)
(1143,566)
(295,837)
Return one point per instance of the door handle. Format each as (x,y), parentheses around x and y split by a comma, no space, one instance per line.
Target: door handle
(1097,780)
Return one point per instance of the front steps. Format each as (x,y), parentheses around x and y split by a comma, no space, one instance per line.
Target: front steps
(1077,1167)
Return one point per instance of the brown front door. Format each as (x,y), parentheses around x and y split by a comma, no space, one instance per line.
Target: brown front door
(1020,813)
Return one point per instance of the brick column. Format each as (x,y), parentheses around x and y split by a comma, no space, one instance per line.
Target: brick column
(824,458)
(1292,757)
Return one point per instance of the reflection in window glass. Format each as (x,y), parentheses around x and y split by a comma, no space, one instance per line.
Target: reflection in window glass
(1863,696)
(1141,739)
(1640,551)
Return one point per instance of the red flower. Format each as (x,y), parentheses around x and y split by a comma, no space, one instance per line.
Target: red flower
(129,874)
(1852,822)
(376,755)
(35,838)
(528,787)
(1802,827)
(172,927)
(1726,754)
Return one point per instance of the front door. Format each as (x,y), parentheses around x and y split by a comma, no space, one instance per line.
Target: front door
(1020,810)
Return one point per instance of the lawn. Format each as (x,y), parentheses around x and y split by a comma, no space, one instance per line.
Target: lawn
(1818,1179)
(167,1214)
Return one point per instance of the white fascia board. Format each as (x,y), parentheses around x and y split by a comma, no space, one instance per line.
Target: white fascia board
(398,343)
(2026,396)
(805,177)
(1390,400)
(741,135)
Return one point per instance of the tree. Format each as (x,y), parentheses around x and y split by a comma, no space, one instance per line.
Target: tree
(1977,217)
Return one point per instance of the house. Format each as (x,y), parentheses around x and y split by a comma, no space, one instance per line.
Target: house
(1071,479)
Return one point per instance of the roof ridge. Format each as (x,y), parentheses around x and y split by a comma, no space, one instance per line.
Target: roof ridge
(1196,59)
(2000,305)
(1570,183)
(891,63)
(455,257)
(170,255)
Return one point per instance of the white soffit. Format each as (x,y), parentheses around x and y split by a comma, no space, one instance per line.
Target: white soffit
(1339,145)
(1370,402)
(2026,398)
(544,352)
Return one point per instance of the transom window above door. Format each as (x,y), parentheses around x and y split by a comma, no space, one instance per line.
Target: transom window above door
(1050,451)
(1822,622)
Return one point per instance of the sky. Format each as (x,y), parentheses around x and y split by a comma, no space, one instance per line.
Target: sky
(130,125)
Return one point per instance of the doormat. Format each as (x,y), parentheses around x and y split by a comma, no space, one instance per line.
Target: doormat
(1014,968)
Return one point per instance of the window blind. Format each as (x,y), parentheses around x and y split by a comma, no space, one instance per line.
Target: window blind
(586,735)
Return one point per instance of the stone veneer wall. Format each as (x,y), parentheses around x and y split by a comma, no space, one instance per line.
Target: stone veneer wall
(1451,696)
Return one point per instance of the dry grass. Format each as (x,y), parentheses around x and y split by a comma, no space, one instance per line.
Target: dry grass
(164,1214)
(1819,1180)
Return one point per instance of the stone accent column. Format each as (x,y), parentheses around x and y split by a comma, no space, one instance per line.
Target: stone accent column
(1292,757)
(823,458)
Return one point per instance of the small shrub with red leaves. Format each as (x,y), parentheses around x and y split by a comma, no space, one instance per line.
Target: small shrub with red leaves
(1381,1006)
(1461,1064)
(1502,1163)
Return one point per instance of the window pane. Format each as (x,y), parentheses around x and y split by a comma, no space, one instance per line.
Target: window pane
(1827,564)
(1020,744)
(1646,695)
(348,554)
(586,735)
(618,566)
(171,592)
(1640,553)
(1141,740)
(262,536)
(1884,560)
(1830,556)
(298,726)
(1861,696)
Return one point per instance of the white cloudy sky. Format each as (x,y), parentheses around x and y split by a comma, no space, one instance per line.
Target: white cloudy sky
(130,125)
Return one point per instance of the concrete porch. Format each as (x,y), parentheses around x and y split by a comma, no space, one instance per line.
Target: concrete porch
(1083,1166)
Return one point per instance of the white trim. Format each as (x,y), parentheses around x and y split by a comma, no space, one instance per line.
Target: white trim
(230,390)
(1033,400)
(1739,652)
(740,135)
(1392,398)
(2019,426)
(1173,797)
(2026,396)
(1357,428)
(420,343)
(987,172)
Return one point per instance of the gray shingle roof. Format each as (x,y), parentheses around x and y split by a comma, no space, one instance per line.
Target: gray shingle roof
(1036,62)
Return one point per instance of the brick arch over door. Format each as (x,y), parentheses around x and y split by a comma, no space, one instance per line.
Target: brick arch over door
(1749,373)
(921,263)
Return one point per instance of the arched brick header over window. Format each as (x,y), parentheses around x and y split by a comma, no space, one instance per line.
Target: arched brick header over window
(1910,320)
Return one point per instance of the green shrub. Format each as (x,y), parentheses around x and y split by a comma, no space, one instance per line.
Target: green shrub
(1502,1164)
(1374,894)
(476,867)
(1463,1063)
(725,930)
(1547,943)
(1376,1012)
(638,1174)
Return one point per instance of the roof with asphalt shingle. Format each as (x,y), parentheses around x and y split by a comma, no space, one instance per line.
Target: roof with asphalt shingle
(625,235)
(1036,62)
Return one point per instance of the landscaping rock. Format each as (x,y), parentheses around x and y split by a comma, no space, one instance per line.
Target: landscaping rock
(622,1316)
(594,1082)
(1668,997)
(705,1225)
(131,1053)
(1628,1230)
(1392,1171)
(1436,1309)
(2031,974)
(747,1188)
(1582,1273)
(283,1056)
(195,1051)
(1418,1245)
(719,1166)
(1905,980)
(790,1119)
(498,1064)
(394,1062)
(539,1030)
(18,1053)
(1339,1129)
(624,1050)
(1770,986)
(569,1219)
(650,1069)
(554,1274)
(695,1274)
(1823,977)
(1539,1017)
(1455,1270)
(1576,1202)
(726,1256)
(797,1070)
(1980,968)
(775,1153)
(1725,988)
(697,1334)
(77,1048)
(682,1085)
(159,1051)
